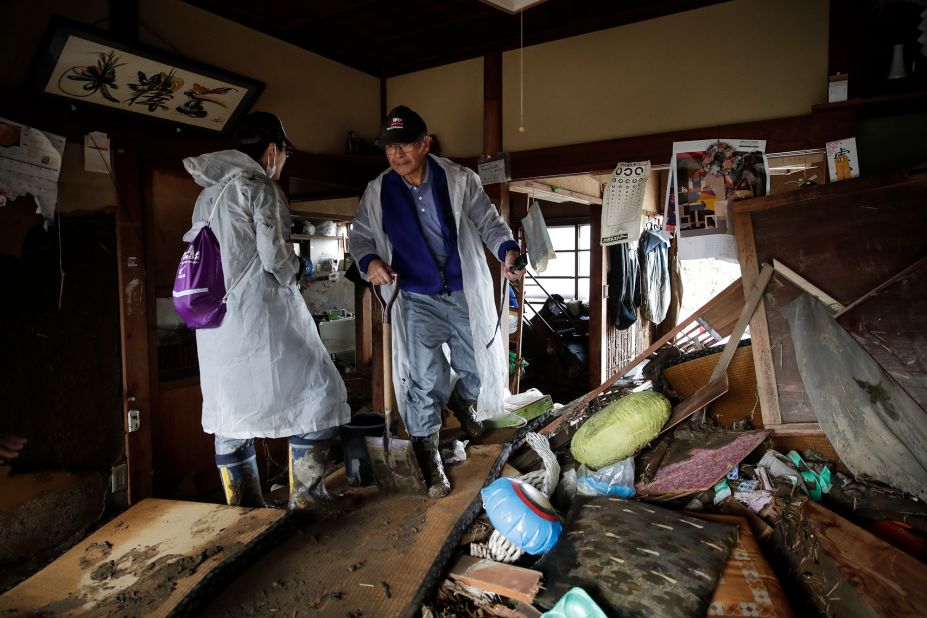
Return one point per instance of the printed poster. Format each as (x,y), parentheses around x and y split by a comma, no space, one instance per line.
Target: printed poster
(842,162)
(30,162)
(707,176)
(623,202)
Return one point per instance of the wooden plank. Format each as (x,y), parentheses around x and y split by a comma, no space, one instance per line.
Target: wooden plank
(891,582)
(541,190)
(148,561)
(508,580)
(767,390)
(806,286)
(792,134)
(883,286)
(381,558)
(363,327)
(133,307)
(598,321)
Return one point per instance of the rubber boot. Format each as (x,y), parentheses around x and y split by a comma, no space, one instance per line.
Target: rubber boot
(465,412)
(307,473)
(240,478)
(429,460)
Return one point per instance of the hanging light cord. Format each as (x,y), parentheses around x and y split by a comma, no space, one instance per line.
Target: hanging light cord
(521,57)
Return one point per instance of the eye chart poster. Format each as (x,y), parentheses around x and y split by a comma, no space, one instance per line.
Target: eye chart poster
(623,202)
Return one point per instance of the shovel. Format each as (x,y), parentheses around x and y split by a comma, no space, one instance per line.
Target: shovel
(718,382)
(393,461)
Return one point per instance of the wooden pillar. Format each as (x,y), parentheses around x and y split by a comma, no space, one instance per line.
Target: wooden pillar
(133,309)
(492,143)
(363,327)
(598,315)
(376,370)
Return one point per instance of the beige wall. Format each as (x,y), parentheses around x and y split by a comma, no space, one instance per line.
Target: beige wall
(450,99)
(319,99)
(731,62)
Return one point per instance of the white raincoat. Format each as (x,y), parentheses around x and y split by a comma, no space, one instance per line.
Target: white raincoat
(476,218)
(264,371)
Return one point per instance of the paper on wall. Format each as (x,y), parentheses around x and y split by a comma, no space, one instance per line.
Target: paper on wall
(842,161)
(96,153)
(623,203)
(30,162)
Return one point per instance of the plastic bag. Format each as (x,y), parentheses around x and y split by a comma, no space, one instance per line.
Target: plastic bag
(655,276)
(540,248)
(614,480)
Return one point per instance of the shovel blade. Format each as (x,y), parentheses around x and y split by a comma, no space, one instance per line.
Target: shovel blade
(394,465)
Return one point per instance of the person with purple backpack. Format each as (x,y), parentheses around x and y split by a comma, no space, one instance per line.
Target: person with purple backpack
(264,371)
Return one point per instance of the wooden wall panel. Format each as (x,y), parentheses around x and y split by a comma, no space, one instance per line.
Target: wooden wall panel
(846,238)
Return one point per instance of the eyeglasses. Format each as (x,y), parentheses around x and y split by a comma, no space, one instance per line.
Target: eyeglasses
(287,150)
(395,148)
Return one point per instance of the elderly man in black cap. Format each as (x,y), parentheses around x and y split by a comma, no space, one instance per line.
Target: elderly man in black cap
(423,223)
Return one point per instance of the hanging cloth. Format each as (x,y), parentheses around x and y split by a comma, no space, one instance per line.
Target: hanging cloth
(655,276)
(624,289)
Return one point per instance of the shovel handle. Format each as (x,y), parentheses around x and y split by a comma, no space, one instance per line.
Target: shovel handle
(387,305)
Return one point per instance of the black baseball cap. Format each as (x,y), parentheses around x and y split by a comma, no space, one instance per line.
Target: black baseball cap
(402,126)
(260,128)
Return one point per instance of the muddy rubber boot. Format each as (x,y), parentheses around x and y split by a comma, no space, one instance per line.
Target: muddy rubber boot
(307,473)
(240,478)
(429,459)
(465,412)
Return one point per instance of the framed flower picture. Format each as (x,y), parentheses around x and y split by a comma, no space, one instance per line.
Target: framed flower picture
(89,68)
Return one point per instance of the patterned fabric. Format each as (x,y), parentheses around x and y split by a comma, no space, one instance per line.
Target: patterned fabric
(748,586)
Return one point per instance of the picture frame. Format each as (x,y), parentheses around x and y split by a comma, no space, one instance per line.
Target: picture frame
(90,68)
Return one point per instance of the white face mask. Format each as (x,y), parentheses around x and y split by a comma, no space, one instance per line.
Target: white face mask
(272,169)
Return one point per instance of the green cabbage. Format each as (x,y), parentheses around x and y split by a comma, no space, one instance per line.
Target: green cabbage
(620,429)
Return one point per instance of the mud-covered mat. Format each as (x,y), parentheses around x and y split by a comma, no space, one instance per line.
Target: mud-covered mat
(378,559)
(145,562)
(637,559)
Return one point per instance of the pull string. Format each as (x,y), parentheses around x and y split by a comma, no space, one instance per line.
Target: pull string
(521,58)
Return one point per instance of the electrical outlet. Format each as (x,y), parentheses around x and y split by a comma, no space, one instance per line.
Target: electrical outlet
(134,420)
(119,477)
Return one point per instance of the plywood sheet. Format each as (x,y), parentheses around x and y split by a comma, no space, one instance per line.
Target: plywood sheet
(378,559)
(845,238)
(890,327)
(145,562)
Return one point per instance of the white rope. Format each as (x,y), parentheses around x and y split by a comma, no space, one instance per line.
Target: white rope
(498,547)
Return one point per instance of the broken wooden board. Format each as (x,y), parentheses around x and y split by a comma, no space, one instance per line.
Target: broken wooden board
(380,558)
(506,579)
(145,562)
(696,461)
(888,326)
(890,581)
(637,559)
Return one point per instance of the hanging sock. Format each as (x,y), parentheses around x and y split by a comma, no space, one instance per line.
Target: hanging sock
(307,459)
(240,477)
(429,460)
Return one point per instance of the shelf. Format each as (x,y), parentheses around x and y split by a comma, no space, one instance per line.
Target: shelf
(313,237)
(889,104)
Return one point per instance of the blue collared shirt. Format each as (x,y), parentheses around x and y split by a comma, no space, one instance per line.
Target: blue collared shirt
(428,215)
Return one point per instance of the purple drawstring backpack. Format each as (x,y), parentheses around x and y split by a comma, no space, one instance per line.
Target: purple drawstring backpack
(199,285)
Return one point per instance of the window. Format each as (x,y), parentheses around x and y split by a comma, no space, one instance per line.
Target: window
(568,274)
